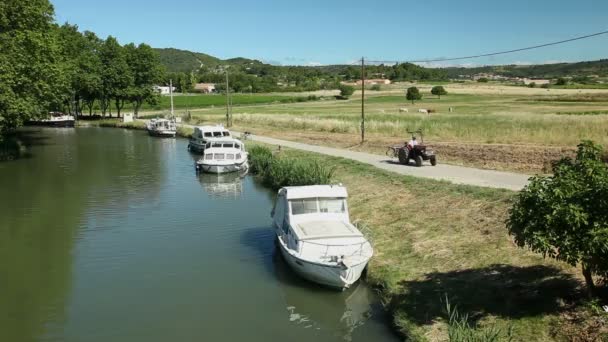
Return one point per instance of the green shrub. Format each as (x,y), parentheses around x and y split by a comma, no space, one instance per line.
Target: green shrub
(277,172)
(482,80)
(346,90)
(376,87)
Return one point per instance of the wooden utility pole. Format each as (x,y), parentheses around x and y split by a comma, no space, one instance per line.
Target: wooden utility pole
(228,114)
(362,99)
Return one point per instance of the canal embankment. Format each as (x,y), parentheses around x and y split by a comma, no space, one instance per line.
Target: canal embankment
(436,240)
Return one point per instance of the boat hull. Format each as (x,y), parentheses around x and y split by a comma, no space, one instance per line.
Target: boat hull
(48,123)
(339,277)
(162,133)
(218,169)
(195,147)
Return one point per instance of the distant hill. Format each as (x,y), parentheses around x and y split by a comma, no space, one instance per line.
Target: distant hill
(176,60)
(599,67)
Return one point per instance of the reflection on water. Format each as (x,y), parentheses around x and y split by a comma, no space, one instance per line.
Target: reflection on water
(223,185)
(108,235)
(315,307)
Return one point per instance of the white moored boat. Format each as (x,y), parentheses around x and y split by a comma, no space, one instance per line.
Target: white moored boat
(162,127)
(54,119)
(316,237)
(204,134)
(223,156)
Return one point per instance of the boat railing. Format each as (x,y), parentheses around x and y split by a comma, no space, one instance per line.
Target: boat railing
(329,248)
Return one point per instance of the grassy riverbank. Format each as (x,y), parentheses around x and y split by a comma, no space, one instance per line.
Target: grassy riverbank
(434,239)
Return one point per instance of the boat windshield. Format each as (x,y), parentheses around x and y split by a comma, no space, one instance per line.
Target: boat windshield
(217,134)
(226,133)
(317,205)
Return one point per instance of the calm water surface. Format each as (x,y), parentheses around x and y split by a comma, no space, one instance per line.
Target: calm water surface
(109,235)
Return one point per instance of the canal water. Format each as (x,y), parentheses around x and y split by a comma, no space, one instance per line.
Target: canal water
(109,235)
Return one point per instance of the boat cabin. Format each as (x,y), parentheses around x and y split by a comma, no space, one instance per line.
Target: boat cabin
(218,150)
(316,214)
(207,132)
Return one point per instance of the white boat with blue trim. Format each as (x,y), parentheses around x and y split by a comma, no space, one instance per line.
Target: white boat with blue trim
(316,237)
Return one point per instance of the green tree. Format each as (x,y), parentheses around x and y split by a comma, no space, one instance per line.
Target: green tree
(346,90)
(116,75)
(29,54)
(376,87)
(439,90)
(482,80)
(565,216)
(561,81)
(146,70)
(413,94)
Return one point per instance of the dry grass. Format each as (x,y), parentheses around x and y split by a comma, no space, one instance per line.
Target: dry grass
(528,123)
(433,238)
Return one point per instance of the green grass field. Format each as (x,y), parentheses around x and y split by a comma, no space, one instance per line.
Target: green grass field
(217,100)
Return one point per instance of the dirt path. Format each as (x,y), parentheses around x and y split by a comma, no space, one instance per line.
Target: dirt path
(454,174)
(451,173)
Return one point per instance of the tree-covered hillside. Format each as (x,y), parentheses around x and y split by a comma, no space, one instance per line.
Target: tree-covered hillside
(599,67)
(176,60)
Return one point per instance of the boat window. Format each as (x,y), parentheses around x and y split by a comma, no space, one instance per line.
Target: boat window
(230,156)
(303,206)
(226,134)
(217,134)
(331,205)
(207,145)
(218,156)
(208,156)
(237,146)
(228,145)
(216,145)
(238,156)
(208,134)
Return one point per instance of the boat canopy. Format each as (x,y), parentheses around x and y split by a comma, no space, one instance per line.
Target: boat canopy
(315,191)
(218,131)
(325,229)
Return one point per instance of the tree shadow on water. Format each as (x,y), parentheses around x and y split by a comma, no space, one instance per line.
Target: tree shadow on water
(16,145)
(500,290)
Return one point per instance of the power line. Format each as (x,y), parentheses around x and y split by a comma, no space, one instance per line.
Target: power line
(492,53)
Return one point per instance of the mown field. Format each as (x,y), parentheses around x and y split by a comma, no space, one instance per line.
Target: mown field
(434,239)
(499,127)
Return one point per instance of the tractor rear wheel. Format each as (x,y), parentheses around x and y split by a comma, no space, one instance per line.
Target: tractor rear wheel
(418,160)
(433,160)
(403,159)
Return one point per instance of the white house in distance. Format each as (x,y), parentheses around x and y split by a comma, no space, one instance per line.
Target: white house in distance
(205,87)
(163,90)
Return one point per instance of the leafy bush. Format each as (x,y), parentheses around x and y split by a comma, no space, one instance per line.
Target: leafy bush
(565,216)
(277,172)
(346,90)
(482,80)
(413,94)
(561,81)
(376,87)
(439,90)
(532,85)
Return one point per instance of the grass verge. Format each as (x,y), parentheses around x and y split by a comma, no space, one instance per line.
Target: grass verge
(435,238)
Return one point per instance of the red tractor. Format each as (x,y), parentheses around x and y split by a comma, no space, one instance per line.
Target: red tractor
(413,150)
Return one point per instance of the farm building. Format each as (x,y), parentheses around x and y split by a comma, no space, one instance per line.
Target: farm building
(204,87)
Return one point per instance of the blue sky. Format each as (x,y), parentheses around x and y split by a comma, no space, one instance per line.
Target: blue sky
(330,32)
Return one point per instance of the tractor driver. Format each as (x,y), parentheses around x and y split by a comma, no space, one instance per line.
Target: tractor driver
(412,143)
